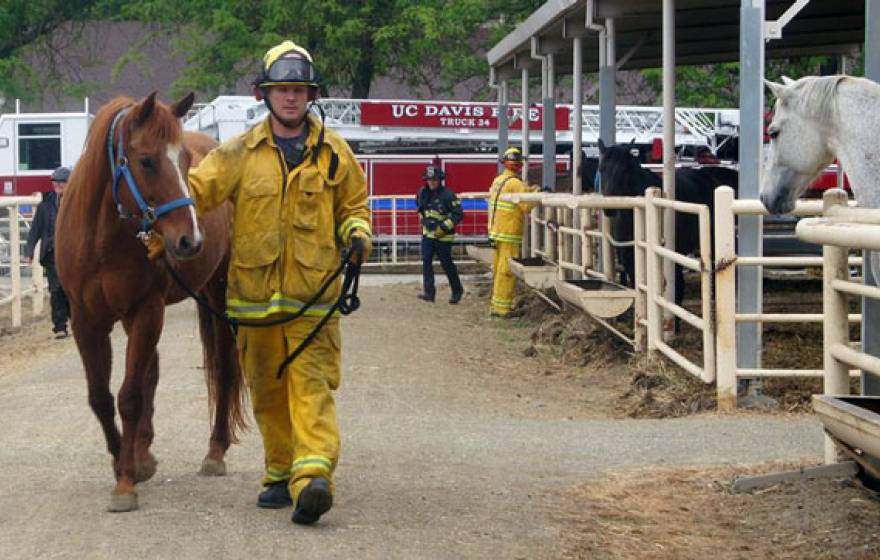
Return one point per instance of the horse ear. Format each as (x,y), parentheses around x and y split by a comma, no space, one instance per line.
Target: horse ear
(787,81)
(602,146)
(182,106)
(633,141)
(778,90)
(146,109)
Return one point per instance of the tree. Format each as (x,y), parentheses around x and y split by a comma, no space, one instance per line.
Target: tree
(432,43)
(717,85)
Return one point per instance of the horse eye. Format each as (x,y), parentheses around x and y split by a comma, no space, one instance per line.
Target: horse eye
(773,133)
(146,162)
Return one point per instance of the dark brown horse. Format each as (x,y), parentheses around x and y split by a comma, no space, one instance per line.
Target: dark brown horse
(105,271)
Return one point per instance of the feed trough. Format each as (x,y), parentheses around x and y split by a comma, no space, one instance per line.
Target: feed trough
(534,271)
(484,255)
(597,297)
(853,420)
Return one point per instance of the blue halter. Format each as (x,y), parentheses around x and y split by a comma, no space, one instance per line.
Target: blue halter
(119,168)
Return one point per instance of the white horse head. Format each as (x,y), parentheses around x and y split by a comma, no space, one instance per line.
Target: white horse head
(799,148)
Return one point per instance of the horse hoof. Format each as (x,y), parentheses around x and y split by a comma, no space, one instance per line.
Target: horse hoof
(123,502)
(211,467)
(146,470)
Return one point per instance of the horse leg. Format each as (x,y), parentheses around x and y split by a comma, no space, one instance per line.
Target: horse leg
(145,462)
(224,381)
(143,327)
(93,343)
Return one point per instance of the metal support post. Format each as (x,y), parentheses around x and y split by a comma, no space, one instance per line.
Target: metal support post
(834,308)
(669,149)
(725,297)
(655,272)
(503,127)
(577,115)
(640,313)
(525,121)
(607,84)
(15,264)
(577,132)
(549,129)
(748,278)
(870,307)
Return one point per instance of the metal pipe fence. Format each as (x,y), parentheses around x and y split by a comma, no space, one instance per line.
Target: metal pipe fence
(860,226)
(555,216)
(727,208)
(397,230)
(13,271)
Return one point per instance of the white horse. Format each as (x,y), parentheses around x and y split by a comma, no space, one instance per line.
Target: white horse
(816,120)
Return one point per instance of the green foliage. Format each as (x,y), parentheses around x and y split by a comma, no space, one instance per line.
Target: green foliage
(433,44)
(717,85)
(26,24)
(430,45)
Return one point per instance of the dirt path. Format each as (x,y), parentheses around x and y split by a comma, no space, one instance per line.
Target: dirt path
(455,445)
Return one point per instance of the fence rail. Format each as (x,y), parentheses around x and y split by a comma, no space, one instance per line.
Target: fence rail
(571,233)
(860,226)
(14,290)
(727,208)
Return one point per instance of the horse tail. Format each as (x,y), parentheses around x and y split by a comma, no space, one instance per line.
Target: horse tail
(223,376)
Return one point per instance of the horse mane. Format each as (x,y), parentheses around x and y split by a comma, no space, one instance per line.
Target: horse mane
(94,162)
(815,97)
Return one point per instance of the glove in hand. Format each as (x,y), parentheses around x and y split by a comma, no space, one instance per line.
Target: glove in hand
(360,246)
(155,245)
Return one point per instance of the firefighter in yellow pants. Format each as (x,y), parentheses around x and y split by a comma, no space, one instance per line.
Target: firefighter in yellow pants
(505,229)
(298,197)
(299,404)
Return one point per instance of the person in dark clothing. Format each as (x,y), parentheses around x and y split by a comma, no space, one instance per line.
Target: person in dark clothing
(440,212)
(43,228)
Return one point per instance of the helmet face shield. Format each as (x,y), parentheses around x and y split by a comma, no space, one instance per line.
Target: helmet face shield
(292,70)
(512,154)
(433,173)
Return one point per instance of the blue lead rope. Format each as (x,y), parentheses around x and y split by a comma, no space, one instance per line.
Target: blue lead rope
(119,168)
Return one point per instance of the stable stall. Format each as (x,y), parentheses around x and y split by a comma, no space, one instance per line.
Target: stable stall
(570,37)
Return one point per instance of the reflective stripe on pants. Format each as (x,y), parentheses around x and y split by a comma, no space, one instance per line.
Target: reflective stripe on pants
(504,282)
(296,414)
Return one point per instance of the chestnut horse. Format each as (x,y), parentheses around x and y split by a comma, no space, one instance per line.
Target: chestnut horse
(129,181)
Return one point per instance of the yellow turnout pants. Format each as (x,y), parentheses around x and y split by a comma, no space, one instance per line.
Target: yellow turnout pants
(504,282)
(296,414)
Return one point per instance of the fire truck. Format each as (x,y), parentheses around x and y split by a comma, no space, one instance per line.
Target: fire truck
(395,139)
(33,145)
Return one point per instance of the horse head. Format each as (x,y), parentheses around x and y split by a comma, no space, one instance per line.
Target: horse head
(617,170)
(798,141)
(148,142)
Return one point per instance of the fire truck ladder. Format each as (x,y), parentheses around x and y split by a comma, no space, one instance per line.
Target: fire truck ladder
(710,127)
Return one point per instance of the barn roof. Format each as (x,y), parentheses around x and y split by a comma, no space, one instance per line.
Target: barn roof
(707,31)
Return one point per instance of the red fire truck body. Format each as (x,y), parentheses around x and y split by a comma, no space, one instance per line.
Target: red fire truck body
(393,140)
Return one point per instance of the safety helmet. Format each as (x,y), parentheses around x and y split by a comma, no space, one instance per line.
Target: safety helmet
(512,154)
(287,64)
(61,175)
(433,172)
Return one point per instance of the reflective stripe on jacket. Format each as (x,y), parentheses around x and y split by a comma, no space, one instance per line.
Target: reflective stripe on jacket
(288,225)
(439,208)
(506,218)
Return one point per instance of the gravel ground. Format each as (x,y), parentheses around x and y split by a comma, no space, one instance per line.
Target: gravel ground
(454,446)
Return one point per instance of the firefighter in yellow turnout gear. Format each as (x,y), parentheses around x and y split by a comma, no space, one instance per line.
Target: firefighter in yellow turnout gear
(299,197)
(505,229)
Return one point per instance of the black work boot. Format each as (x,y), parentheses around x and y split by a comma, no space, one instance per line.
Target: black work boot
(314,501)
(426,297)
(275,496)
(456,297)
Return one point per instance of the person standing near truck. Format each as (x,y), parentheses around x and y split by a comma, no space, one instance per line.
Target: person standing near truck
(440,212)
